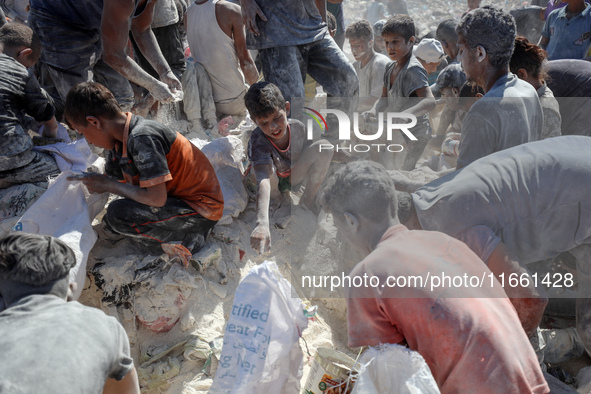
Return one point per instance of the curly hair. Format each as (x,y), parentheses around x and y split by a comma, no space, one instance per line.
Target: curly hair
(491,28)
(362,188)
(360,30)
(530,57)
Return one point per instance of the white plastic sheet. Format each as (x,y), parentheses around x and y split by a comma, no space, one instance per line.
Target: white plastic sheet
(394,369)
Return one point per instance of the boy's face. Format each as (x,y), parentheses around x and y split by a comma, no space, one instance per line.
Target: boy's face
(378,44)
(274,125)
(94,134)
(469,59)
(450,97)
(396,46)
(346,231)
(361,49)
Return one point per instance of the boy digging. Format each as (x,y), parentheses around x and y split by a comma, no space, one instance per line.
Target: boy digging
(280,154)
(470,337)
(171,192)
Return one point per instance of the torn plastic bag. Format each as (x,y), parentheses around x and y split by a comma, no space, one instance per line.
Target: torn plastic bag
(261,352)
(394,369)
(63,212)
(226,155)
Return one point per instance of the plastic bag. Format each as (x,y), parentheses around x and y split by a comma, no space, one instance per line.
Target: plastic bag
(226,155)
(261,351)
(62,212)
(394,369)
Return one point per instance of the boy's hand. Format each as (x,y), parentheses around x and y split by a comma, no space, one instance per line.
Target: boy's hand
(171,80)
(250,10)
(94,182)
(162,92)
(260,239)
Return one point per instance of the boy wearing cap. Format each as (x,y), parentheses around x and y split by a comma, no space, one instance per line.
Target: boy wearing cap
(369,65)
(378,41)
(430,54)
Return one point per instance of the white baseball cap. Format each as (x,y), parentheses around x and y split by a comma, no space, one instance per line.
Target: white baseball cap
(429,50)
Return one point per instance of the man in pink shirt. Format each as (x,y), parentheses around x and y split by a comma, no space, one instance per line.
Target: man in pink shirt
(464,327)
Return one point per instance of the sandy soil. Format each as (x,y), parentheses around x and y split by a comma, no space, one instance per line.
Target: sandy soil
(207,296)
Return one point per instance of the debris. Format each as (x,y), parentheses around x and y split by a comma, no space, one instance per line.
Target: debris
(158,375)
(211,254)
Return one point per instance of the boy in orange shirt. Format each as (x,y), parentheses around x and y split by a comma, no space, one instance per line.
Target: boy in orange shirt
(171,192)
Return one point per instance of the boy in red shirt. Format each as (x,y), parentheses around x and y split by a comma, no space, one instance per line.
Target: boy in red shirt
(467,332)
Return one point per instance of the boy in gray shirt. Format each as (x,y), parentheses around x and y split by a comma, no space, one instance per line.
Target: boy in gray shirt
(510,113)
(406,86)
(515,207)
(49,345)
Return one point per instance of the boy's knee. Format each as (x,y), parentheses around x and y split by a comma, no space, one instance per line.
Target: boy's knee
(115,215)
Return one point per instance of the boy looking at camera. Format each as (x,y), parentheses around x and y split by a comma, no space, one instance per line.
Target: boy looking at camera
(280,155)
(406,86)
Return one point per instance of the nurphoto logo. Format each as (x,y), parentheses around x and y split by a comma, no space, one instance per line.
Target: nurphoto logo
(395,121)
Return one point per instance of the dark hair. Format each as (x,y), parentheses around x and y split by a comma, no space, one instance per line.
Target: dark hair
(446,31)
(362,188)
(360,30)
(400,24)
(14,35)
(528,56)
(89,99)
(331,21)
(263,98)
(493,29)
(34,260)
(470,89)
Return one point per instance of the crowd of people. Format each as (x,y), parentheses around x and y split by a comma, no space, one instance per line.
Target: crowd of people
(505,115)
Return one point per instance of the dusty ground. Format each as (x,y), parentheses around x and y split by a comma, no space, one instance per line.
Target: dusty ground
(209,294)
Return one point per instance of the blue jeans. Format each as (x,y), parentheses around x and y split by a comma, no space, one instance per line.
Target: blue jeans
(287,67)
(71,55)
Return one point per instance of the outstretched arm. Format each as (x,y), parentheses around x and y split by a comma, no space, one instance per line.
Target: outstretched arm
(426,105)
(115,32)
(249,69)
(260,239)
